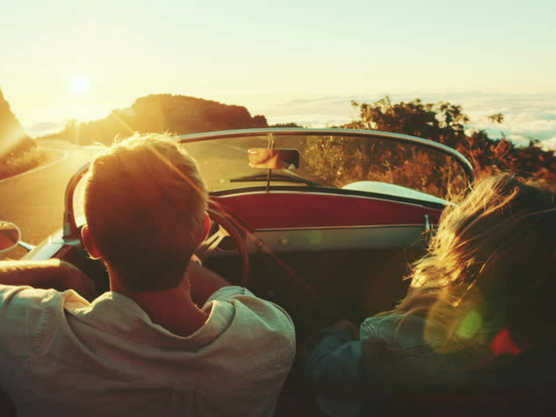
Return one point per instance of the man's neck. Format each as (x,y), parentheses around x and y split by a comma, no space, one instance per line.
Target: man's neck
(172,309)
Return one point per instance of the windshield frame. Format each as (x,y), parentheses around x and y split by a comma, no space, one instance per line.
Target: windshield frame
(370,134)
(71,230)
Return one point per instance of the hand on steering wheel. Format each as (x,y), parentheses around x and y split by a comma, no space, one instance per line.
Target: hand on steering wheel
(226,227)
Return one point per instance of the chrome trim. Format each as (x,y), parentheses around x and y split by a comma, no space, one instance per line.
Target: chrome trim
(69,225)
(44,250)
(370,226)
(18,230)
(27,246)
(334,240)
(368,197)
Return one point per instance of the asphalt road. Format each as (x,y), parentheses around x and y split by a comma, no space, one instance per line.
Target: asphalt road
(34,201)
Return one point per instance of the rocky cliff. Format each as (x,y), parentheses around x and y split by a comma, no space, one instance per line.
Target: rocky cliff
(12,136)
(163,113)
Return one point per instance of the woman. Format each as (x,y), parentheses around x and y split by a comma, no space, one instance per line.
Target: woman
(483,294)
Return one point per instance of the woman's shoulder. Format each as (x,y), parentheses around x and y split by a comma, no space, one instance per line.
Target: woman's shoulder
(408,346)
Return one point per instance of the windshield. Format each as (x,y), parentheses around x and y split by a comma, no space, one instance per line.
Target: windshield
(361,163)
(370,162)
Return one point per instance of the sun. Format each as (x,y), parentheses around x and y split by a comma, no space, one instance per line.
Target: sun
(79,85)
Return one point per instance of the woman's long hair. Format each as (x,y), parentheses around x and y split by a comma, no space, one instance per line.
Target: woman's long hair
(490,266)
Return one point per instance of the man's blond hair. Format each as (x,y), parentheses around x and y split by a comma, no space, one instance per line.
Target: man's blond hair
(145,203)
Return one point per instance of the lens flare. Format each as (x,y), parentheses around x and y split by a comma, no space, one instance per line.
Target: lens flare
(470,325)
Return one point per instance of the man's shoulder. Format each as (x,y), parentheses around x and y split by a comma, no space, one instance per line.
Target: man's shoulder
(256,345)
(229,292)
(18,297)
(256,323)
(33,308)
(252,307)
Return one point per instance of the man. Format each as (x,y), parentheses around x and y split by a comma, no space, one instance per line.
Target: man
(170,338)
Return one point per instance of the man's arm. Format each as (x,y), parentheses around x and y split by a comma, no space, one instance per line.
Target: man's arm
(203,283)
(26,312)
(52,273)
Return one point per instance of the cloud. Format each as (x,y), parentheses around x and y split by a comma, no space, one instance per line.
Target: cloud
(42,128)
(549,144)
(310,120)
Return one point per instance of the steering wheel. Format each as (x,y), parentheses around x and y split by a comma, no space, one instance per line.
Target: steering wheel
(226,227)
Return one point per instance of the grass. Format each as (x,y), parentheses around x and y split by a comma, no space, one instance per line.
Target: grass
(22,162)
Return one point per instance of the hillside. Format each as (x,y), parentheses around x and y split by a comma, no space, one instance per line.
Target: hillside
(162,113)
(12,136)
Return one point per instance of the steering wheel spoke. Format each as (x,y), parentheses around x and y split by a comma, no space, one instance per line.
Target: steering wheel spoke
(211,243)
(226,228)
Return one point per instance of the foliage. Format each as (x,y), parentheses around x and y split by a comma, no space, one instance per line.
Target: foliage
(290,124)
(446,123)
(496,118)
(442,122)
(338,161)
(17,163)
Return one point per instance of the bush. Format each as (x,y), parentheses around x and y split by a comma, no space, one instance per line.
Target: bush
(446,123)
(19,162)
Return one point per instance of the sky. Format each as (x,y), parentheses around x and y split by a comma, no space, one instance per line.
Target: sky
(301,61)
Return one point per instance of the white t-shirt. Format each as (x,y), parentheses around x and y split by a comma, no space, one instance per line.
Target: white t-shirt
(61,355)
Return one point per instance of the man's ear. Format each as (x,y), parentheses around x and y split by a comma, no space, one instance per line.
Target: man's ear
(206,228)
(89,244)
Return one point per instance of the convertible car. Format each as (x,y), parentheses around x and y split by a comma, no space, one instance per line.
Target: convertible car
(323,222)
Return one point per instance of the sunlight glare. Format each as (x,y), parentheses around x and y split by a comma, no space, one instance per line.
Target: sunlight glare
(80,85)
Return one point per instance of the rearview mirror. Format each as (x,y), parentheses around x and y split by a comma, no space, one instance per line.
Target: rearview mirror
(9,236)
(273,158)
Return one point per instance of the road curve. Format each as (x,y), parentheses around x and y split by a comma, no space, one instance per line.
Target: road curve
(35,200)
